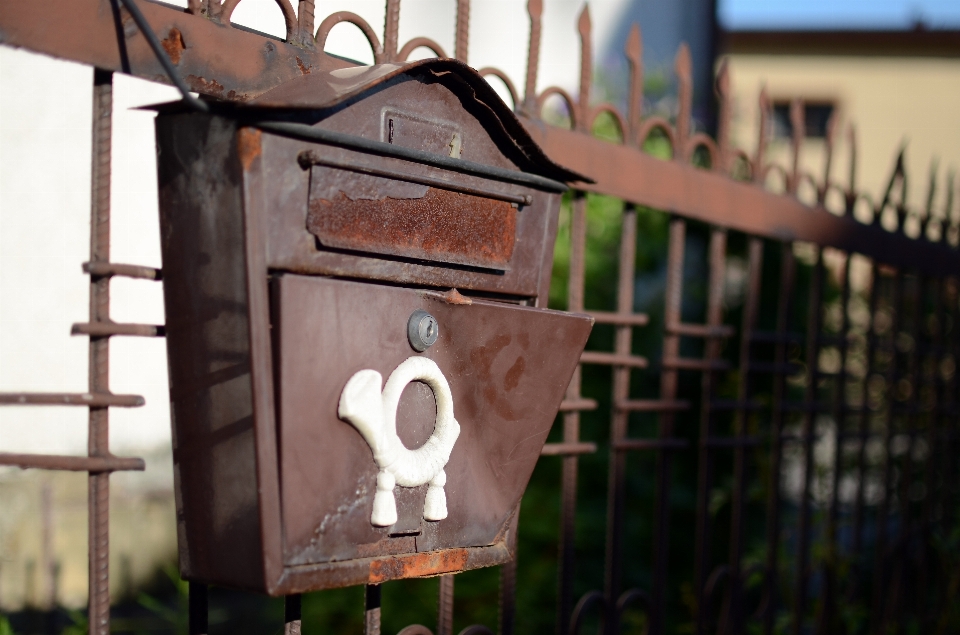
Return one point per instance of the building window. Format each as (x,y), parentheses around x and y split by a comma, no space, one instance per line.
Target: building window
(816,118)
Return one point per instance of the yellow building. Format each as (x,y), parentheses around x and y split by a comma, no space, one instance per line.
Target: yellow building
(896,87)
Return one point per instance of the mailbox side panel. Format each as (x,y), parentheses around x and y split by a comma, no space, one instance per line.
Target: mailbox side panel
(208,345)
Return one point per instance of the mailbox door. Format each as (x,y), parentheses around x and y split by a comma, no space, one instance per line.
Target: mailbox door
(507,367)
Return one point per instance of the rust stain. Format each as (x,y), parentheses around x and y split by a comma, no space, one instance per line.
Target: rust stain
(205,86)
(417,565)
(512,378)
(455,297)
(304,69)
(174,45)
(482,357)
(441,226)
(248,146)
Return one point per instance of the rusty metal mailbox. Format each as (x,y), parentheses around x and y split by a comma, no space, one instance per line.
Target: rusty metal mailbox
(362,370)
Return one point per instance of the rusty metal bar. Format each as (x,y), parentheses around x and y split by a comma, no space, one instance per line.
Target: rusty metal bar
(891,377)
(751,310)
(652,405)
(702,548)
(445,606)
(107,269)
(70,399)
(571,421)
(900,550)
(620,319)
(701,330)
(616,479)
(681,363)
(197,609)
(651,444)
(668,392)
(863,430)
(613,359)
(371,609)
(292,621)
(814,322)
(771,596)
(934,350)
(507,596)
(568,405)
(99,351)
(96,465)
(568,449)
(105,328)
(829,570)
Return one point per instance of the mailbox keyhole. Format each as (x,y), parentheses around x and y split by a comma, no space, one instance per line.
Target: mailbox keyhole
(390,131)
(422,330)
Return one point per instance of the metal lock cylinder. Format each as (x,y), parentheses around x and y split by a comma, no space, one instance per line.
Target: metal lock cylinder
(422,330)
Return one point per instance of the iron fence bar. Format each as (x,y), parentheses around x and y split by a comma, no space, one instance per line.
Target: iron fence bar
(712,349)
(865,419)
(507,595)
(814,321)
(751,309)
(784,308)
(829,565)
(951,391)
(98,443)
(908,524)
(619,420)
(673,295)
(571,421)
(901,551)
(371,609)
(197,609)
(935,357)
(99,465)
(84,399)
(292,619)
(949,474)
(445,605)
(878,617)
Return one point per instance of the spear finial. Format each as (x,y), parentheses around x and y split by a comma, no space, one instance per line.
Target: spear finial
(832,126)
(763,134)
(723,116)
(799,129)
(391,30)
(634,52)
(682,65)
(461,46)
(586,66)
(535,11)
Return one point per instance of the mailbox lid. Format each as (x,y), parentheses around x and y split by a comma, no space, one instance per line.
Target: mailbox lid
(369,213)
(507,366)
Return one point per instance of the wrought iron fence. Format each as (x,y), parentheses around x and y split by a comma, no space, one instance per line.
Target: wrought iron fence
(811,415)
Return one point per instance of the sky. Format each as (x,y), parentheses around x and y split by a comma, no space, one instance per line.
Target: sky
(838,14)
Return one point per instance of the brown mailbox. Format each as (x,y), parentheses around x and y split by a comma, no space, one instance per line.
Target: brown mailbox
(362,370)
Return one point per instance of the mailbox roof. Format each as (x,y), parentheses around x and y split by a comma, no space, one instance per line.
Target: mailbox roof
(328,90)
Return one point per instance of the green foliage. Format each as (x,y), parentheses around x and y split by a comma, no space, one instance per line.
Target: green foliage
(79,624)
(174,616)
(5,628)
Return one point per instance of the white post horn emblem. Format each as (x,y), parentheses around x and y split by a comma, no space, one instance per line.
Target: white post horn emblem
(374,415)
